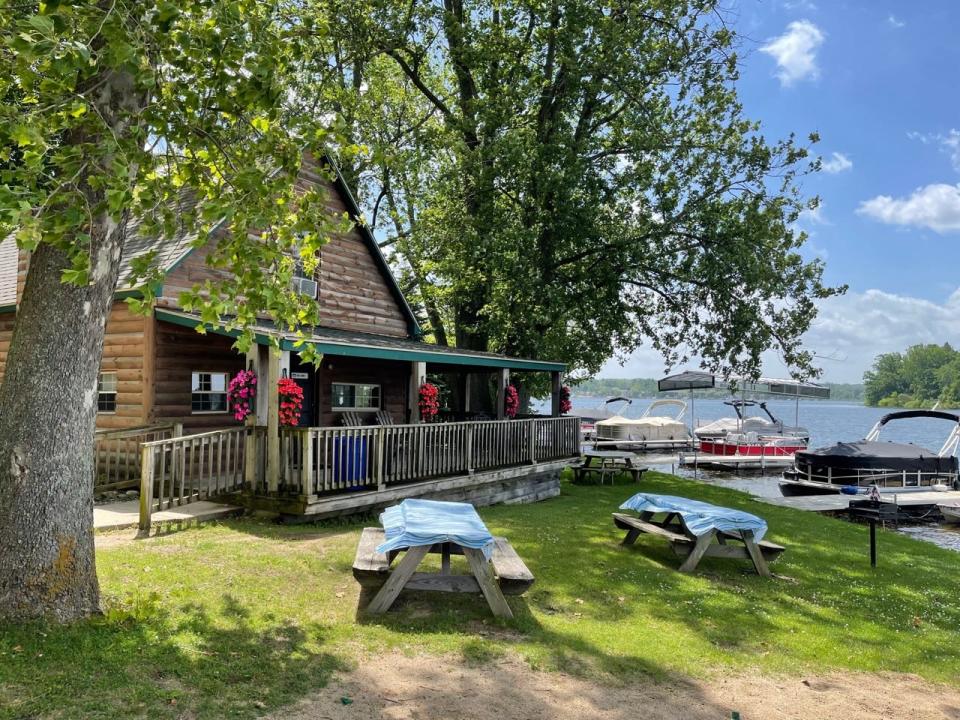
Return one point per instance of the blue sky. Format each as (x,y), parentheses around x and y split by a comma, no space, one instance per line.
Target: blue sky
(880,82)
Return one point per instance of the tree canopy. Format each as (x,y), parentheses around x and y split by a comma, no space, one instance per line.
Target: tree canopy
(570,180)
(181,115)
(917,378)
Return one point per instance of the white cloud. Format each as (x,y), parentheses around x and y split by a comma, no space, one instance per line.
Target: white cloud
(852,329)
(795,52)
(837,163)
(935,206)
(804,5)
(949,143)
(896,22)
(813,217)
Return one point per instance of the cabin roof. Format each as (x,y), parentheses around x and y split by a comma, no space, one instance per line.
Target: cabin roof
(171,251)
(356,344)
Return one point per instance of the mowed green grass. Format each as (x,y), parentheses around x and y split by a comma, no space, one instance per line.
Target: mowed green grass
(244,617)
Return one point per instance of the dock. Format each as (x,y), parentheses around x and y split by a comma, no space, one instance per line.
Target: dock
(760,463)
(838,502)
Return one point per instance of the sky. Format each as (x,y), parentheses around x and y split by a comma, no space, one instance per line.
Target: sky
(879,80)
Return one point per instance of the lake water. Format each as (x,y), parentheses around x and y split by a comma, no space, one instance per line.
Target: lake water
(828,422)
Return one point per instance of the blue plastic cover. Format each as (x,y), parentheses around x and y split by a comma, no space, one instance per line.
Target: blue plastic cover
(426,522)
(699,517)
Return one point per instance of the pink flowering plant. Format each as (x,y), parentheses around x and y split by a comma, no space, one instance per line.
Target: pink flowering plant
(429,401)
(511,402)
(241,394)
(565,404)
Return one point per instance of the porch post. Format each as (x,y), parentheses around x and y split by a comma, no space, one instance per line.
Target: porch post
(273,420)
(251,461)
(503,379)
(467,390)
(555,394)
(418,376)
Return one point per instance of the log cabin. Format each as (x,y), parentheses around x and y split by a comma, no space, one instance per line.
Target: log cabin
(157,370)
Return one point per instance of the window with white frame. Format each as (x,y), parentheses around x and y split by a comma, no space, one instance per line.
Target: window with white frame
(208,392)
(107,392)
(354,396)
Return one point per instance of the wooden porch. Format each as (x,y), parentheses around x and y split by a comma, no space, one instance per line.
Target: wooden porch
(324,471)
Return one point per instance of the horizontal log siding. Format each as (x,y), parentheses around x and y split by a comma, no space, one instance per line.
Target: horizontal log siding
(6,333)
(354,294)
(123,353)
(179,352)
(193,270)
(393,378)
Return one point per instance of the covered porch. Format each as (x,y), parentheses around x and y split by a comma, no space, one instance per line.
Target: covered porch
(361,442)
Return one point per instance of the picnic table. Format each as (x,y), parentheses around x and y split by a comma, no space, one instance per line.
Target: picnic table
(418,527)
(608,463)
(697,529)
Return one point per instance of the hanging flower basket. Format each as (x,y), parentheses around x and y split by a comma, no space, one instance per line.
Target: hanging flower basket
(511,402)
(565,404)
(429,403)
(241,394)
(291,402)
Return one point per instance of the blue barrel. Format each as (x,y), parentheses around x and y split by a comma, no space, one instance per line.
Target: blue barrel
(350,460)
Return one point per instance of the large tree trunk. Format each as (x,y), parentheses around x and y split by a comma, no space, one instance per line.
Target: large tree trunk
(48,408)
(48,405)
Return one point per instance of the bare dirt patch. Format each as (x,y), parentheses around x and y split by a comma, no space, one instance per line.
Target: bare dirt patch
(398,687)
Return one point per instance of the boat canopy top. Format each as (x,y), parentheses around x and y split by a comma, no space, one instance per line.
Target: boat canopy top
(688,380)
(698,379)
(869,455)
(906,414)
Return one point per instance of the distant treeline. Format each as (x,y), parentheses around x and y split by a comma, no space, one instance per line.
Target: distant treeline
(918,378)
(647,387)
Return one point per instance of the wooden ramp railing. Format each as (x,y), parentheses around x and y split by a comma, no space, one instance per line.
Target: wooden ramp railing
(180,470)
(323,461)
(117,454)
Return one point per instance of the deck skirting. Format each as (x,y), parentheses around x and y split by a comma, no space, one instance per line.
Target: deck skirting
(522,484)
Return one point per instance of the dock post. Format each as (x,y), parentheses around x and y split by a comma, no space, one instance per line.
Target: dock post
(873,543)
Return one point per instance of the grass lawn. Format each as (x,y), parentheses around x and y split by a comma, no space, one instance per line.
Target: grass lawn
(236,619)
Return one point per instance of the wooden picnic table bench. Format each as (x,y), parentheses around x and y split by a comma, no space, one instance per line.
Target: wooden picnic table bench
(607,463)
(504,574)
(687,545)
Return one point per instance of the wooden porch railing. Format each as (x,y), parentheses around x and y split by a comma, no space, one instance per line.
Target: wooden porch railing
(117,454)
(322,461)
(184,469)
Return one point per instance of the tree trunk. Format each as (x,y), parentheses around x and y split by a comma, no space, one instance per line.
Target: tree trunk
(48,401)
(48,409)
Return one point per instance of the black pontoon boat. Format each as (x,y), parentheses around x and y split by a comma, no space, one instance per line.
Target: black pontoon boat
(854,467)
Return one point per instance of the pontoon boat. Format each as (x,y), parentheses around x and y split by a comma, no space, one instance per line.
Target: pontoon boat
(853,467)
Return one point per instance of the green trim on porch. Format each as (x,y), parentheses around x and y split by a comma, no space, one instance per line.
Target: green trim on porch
(192,323)
(420,352)
(428,356)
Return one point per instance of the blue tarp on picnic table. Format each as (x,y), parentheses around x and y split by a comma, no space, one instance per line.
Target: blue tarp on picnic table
(426,522)
(699,517)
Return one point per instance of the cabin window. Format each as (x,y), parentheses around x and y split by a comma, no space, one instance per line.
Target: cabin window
(304,283)
(355,396)
(209,392)
(107,392)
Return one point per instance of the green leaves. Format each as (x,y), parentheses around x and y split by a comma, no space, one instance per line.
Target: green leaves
(568,181)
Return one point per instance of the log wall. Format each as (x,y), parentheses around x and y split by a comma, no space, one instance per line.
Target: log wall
(6,333)
(354,293)
(181,351)
(124,352)
(393,378)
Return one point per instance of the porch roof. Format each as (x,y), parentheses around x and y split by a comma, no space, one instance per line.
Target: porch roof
(356,344)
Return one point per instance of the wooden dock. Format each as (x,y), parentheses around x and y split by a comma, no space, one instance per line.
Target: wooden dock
(838,502)
(760,463)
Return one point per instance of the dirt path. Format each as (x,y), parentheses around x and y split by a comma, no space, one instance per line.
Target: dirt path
(397,687)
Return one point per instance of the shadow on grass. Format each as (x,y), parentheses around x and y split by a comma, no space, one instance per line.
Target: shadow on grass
(144,659)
